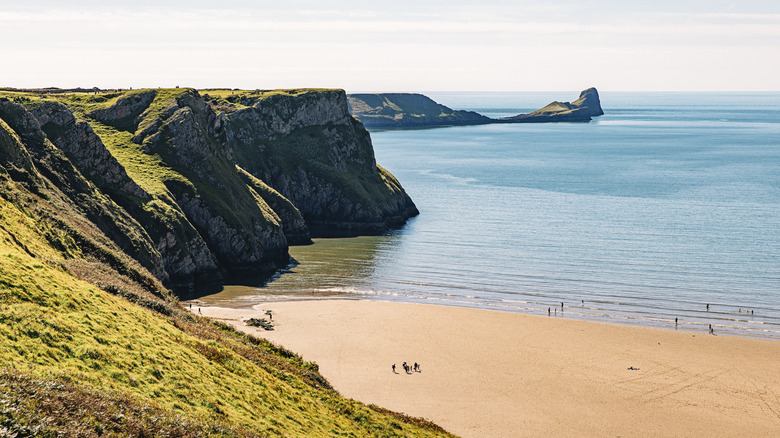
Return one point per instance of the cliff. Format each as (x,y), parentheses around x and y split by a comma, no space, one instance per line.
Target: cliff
(405,110)
(211,186)
(307,146)
(104,200)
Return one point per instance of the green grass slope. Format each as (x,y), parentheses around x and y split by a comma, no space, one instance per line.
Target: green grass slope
(78,339)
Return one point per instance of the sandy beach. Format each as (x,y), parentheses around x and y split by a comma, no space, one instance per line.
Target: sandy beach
(494,374)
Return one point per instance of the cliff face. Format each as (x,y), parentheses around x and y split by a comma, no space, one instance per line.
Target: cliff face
(198,189)
(403,110)
(308,147)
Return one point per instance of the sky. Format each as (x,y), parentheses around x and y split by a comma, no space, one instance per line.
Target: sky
(453,45)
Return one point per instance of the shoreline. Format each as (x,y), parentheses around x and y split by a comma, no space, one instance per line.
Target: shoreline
(743,324)
(494,373)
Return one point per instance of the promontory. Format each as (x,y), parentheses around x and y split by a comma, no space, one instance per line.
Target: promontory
(411,110)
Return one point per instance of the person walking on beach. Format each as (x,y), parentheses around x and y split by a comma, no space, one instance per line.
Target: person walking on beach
(711,332)
(394,369)
(548,311)
(675,323)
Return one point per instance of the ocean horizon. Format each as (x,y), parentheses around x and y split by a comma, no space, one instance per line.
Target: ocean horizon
(665,207)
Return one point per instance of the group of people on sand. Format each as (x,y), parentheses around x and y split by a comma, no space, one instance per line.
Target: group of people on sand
(408,369)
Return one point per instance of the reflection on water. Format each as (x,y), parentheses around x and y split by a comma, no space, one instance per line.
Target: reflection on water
(330,268)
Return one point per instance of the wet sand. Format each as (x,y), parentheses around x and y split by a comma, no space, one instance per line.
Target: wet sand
(495,374)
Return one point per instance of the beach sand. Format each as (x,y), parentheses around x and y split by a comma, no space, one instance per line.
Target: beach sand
(495,374)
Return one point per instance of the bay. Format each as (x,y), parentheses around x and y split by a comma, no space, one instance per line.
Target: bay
(668,203)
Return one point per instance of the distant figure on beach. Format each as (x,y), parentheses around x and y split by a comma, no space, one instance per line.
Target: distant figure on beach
(751,313)
(582,302)
(416,367)
(708,307)
(199,312)
(675,323)
(548,311)
(190,306)
(394,368)
(561,306)
(711,332)
(406,368)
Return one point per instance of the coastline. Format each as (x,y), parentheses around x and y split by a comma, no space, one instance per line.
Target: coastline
(492,373)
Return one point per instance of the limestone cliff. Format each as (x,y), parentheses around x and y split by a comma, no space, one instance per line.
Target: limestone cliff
(307,146)
(200,188)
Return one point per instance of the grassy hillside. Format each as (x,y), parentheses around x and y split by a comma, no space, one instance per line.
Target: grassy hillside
(68,339)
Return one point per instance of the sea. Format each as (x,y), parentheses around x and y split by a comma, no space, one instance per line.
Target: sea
(664,212)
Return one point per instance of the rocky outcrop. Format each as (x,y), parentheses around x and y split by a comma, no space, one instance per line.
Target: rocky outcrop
(84,148)
(124,113)
(406,110)
(589,99)
(313,152)
(293,225)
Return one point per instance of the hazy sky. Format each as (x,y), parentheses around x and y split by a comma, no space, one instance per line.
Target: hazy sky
(394,46)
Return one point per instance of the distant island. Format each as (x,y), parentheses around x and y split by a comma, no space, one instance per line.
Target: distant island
(412,110)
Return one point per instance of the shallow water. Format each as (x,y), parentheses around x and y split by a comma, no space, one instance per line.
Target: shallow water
(667,203)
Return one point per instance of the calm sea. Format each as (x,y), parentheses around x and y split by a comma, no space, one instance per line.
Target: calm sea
(667,204)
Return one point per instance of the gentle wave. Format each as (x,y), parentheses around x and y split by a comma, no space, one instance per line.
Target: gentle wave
(663,205)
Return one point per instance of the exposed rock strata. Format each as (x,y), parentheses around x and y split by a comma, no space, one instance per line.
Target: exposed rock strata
(313,152)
